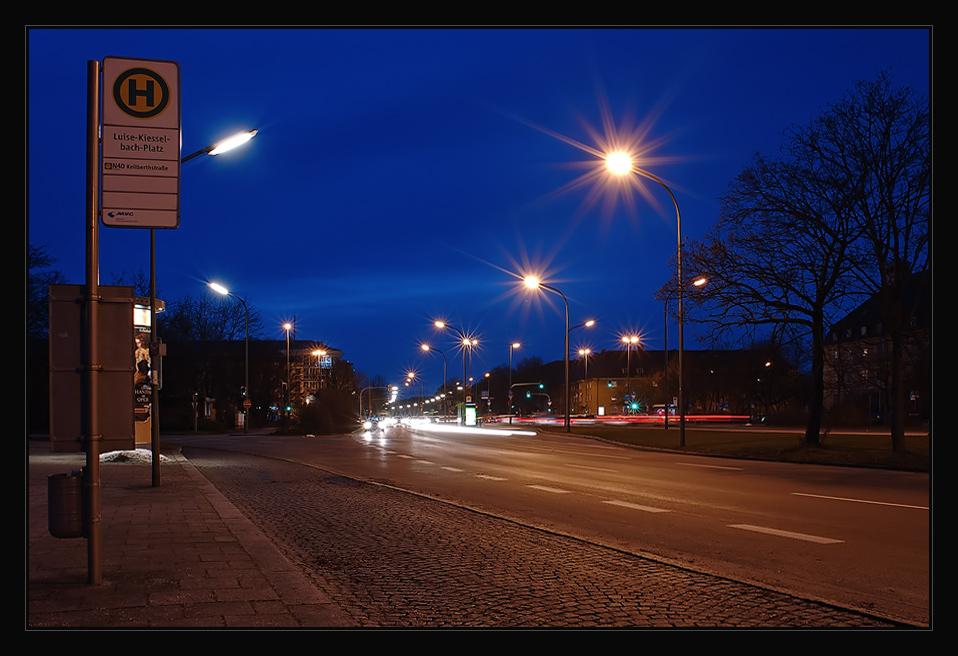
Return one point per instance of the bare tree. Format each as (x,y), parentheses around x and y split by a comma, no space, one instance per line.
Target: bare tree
(39,278)
(842,211)
(206,318)
(138,280)
(778,260)
(878,136)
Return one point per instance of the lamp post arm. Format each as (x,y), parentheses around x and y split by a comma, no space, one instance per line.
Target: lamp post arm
(565,356)
(678,219)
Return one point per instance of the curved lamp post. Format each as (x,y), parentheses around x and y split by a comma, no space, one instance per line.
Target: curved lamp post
(289,390)
(629,340)
(585,353)
(225,292)
(620,163)
(411,377)
(467,343)
(534,283)
(512,347)
(701,281)
(427,349)
(584,324)
(213,149)
(319,353)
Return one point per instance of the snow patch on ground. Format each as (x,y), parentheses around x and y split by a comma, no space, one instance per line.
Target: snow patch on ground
(136,455)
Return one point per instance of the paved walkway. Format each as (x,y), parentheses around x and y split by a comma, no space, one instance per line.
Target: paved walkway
(175,555)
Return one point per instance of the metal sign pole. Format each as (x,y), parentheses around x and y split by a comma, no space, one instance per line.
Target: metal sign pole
(154,364)
(90,364)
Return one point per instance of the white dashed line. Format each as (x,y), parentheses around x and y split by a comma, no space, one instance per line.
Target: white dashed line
(548,489)
(604,470)
(786,534)
(877,503)
(635,506)
(695,464)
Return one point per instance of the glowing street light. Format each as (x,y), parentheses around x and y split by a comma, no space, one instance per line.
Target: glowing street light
(512,347)
(223,146)
(220,289)
(411,378)
(468,343)
(585,353)
(629,340)
(699,282)
(533,282)
(427,349)
(621,163)
(287,327)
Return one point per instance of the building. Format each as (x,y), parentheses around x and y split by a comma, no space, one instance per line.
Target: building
(310,368)
(210,381)
(640,381)
(857,359)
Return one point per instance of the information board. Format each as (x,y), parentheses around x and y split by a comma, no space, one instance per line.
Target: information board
(140,145)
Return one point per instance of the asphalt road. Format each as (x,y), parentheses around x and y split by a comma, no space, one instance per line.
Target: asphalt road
(421,558)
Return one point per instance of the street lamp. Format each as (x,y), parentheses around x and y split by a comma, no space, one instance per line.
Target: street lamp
(698,282)
(512,347)
(427,348)
(319,353)
(584,324)
(629,340)
(225,292)
(287,327)
(468,343)
(213,149)
(620,163)
(534,283)
(411,377)
(584,354)
(223,146)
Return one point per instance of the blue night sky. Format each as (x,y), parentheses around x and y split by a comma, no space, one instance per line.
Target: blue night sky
(405,175)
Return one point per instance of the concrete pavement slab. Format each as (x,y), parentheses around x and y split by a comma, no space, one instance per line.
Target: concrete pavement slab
(177,554)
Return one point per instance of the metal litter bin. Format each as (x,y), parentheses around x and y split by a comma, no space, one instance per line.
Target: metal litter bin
(65,505)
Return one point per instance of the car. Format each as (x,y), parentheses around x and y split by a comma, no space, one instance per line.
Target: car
(371,424)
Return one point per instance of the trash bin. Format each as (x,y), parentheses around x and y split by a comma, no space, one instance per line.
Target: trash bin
(65,505)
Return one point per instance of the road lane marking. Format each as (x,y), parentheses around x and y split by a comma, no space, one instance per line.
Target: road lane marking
(586,453)
(695,464)
(786,534)
(548,489)
(454,469)
(595,469)
(490,477)
(876,503)
(635,506)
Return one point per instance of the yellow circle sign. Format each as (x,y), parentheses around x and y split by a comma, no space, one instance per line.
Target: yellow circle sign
(141,93)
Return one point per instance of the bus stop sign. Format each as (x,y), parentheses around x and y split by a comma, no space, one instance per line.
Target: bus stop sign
(140,151)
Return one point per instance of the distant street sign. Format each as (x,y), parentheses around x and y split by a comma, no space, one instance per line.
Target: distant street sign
(140,147)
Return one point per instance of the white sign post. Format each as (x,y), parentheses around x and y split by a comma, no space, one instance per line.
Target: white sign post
(140,154)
